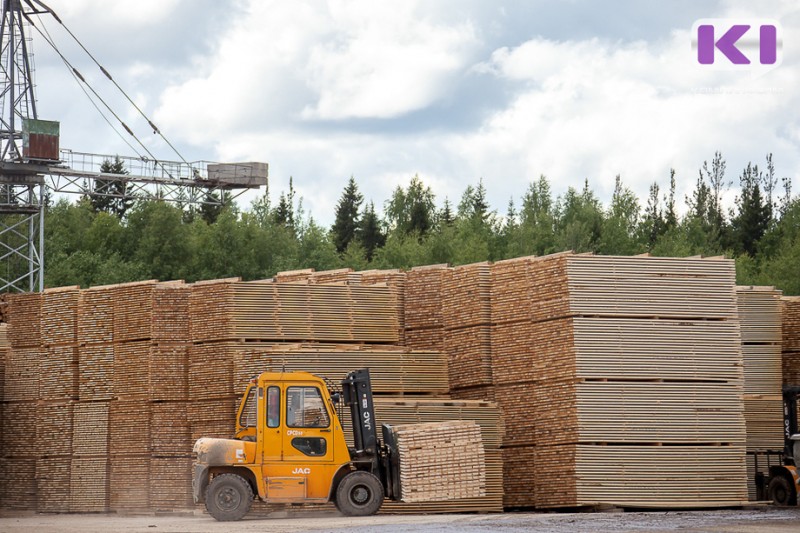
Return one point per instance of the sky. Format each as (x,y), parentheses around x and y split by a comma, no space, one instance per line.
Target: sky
(453,91)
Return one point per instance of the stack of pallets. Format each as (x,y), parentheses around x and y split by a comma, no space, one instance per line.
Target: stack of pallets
(790,344)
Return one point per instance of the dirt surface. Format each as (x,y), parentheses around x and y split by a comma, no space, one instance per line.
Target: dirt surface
(755,520)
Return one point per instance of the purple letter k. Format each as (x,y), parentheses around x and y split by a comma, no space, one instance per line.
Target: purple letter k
(726,44)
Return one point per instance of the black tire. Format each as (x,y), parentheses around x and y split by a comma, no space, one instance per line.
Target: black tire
(228,497)
(359,494)
(781,491)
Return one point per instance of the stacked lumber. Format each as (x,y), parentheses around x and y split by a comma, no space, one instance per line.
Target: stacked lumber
(130,374)
(53,428)
(258,311)
(397,411)
(338,276)
(129,427)
(425,339)
(212,418)
(760,324)
(638,476)
(88,487)
(171,316)
(18,489)
(170,431)
(790,344)
(427,455)
(294,276)
(96,315)
(518,491)
(170,483)
(168,371)
(609,357)
(424,292)
(96,372)
(53,484)
(129,482)
(510,293)
(467,296)
(18,436)
(467,319)
(59,373)
(59,316)
(396,281)
(24,319)
(22,373)
(133,311)
(89,465)
(393,370)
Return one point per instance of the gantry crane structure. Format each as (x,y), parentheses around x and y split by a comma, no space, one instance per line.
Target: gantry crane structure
(33,167)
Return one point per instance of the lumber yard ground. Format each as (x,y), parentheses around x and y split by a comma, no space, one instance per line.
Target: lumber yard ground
(750,520)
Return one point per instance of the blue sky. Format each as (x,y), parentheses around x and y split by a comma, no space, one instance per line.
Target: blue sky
(452,91)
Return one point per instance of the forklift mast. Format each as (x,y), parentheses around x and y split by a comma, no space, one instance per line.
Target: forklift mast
(357,394)
(790,396)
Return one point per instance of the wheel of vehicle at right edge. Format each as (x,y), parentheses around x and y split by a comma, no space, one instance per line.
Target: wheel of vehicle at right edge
(228,497)
(781,491)
(359,494)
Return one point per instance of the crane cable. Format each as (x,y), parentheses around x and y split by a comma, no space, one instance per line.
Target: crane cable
(77,74)
(94,104)
(108,75)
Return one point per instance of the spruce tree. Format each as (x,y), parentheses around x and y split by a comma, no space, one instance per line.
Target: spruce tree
(346,225)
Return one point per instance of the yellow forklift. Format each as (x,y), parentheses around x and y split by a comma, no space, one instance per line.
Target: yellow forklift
(784,481)
(289,447)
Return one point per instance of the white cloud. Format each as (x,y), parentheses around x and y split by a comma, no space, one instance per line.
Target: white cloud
(387,60)
(138,13)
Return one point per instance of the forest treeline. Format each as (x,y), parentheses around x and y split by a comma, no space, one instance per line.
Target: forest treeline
(98,240)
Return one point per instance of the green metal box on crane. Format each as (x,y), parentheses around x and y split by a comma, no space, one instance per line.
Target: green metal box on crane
(40,139)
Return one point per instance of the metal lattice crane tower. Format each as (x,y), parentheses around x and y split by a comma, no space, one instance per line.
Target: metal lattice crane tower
(31,163)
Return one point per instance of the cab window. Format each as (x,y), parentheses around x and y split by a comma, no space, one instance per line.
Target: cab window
(305,408)
(248,416)
(273,407)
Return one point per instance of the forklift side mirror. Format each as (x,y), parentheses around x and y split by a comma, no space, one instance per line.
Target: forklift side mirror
(336,397)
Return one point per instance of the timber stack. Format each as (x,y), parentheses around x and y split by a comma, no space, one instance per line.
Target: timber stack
(791,339)
(760,326)
(427,453)
(424,327)
(606,370)
(637,369)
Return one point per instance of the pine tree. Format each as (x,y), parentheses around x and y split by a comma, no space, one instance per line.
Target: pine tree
(370,234)
(346,225)
(112,196)
(752,219)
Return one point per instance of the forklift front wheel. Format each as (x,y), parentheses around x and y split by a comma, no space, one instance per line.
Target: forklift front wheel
(228,497)
(359,494)
(781,490)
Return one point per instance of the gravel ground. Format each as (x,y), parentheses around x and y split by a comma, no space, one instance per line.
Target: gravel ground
(752,520)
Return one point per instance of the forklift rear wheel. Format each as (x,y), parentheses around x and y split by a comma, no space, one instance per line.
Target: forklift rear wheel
(228,497)
(781,491)
(359,494)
